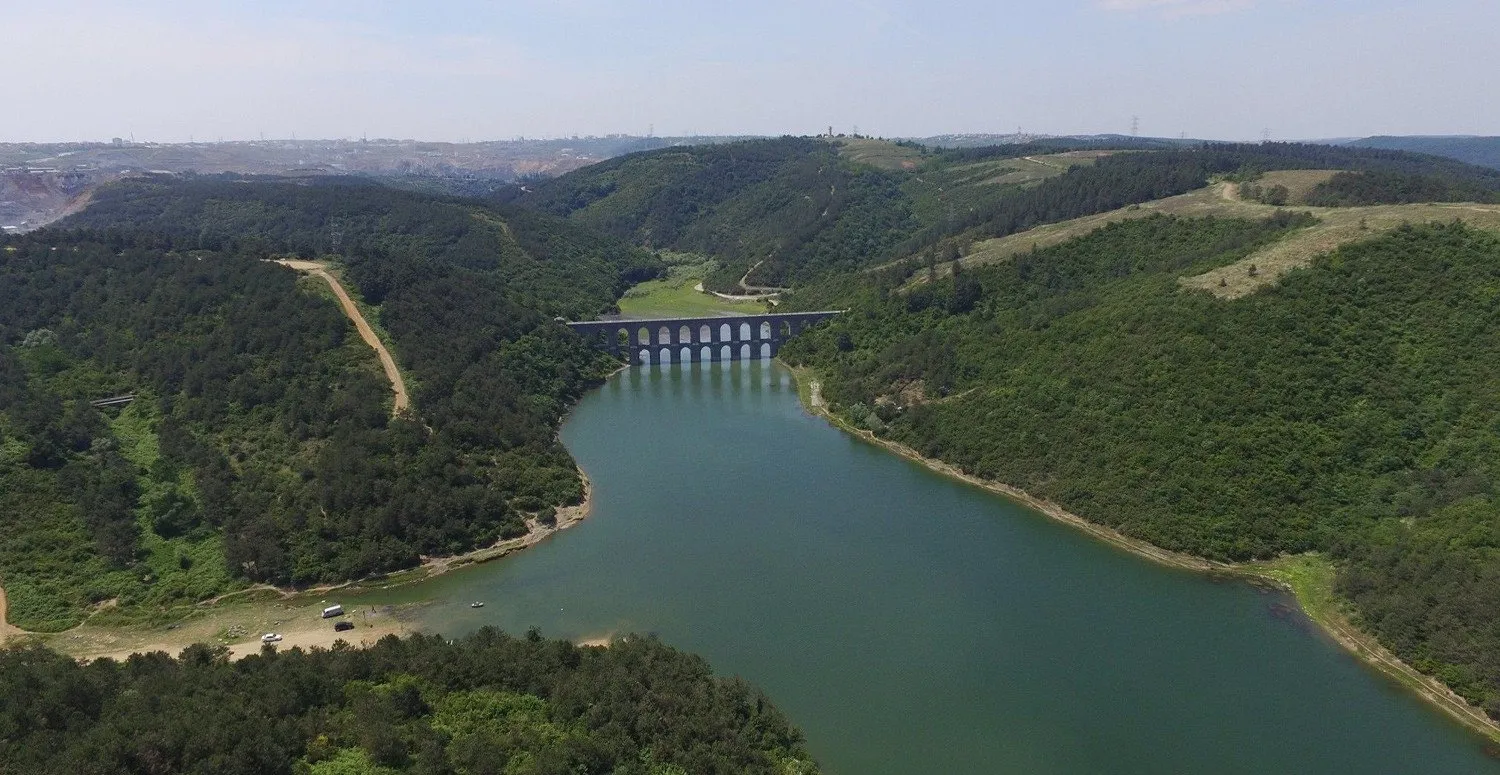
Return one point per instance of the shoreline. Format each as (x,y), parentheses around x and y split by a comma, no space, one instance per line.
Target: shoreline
(295,613)
(1331,622)
(563,518)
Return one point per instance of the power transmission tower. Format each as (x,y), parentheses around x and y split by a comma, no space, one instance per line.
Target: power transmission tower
(1135,126)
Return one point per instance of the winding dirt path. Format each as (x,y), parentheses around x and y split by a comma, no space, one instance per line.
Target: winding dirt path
(5,629)
(398,385)
(760,289)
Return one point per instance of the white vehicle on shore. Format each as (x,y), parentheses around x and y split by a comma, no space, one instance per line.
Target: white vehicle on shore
(270,637)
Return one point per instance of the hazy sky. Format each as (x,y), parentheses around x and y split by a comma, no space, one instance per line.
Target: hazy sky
(455,69)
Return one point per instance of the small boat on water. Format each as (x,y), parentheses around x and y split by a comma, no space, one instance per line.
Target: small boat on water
(476,604)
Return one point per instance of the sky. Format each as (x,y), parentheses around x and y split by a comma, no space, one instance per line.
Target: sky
(172,71)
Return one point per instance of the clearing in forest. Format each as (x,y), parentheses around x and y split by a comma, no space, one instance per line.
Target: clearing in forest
(880,153)
(398,385)
(678,295)
(1337,226)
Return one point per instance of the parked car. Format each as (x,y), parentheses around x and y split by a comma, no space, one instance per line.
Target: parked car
(270,637)
(343,626)
(332,611)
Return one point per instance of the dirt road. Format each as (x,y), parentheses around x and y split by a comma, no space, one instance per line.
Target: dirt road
(5,629)
(398,385)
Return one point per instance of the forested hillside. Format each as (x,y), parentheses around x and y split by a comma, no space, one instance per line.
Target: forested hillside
(1351,409)
(791,202)
(486,703)
(389,237)
(798,210)
(262,448)
(1354,189)
(1484,151)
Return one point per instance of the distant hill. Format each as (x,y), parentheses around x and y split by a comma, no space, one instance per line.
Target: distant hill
(789,211)
(1483,151)
(32,173)
(982,139)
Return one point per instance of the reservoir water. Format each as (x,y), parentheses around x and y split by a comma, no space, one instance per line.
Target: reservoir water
(912,624)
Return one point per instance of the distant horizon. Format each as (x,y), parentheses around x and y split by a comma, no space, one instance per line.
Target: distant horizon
(447,70)
(746,135)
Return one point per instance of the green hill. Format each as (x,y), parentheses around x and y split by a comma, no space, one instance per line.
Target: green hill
(262,448)
(551,265)
(1483,151)
(794,210)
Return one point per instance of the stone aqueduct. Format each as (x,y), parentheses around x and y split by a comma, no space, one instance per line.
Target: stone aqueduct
(697,340)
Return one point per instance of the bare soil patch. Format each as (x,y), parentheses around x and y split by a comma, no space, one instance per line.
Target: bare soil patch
(6,630)
(238,627)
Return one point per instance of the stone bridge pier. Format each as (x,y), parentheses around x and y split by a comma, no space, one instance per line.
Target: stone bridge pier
(697,340)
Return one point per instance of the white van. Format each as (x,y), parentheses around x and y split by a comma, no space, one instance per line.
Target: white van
(332,611)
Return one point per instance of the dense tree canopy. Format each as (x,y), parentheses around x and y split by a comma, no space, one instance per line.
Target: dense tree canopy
(487,703)
(1352,189)
(543,263)
(262,448)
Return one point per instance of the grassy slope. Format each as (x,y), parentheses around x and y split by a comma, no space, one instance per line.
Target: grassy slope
(1339,226)
(676,296)
(880,153)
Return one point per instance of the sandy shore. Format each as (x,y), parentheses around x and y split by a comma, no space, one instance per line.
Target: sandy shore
(239,628)
(1362,644)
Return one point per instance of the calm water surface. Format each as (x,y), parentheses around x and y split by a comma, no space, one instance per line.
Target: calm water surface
(912,624)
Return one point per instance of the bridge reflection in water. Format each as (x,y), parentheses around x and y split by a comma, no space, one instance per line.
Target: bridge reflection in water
(691,340)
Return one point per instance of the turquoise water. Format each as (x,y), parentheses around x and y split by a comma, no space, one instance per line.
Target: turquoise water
(912,624)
